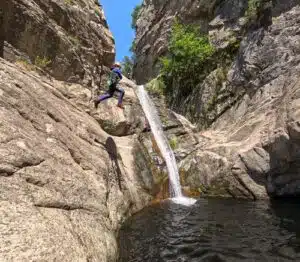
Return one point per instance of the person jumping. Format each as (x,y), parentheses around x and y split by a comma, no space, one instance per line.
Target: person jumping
(114,78)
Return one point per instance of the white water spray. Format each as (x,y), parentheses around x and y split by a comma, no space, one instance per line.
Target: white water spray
(164,147)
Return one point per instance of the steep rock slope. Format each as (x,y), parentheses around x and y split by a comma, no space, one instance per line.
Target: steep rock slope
(257,140)
(69,174)
(153,27)
(222,20)
(70,38)
(66,185)
(252,146)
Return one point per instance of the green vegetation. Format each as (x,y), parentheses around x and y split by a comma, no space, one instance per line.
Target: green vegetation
(188,50)
(127,66)
(69,2)
(128,62)
(156,86)
(25,64)
(135,16)
(133,46)
(253,9)
(97,13)
(190,60)
(42,62)
(75,41)
(190,53)
(173,143)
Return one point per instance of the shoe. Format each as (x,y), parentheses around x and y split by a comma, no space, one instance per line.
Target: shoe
(120,105)
(146,129)
(96,103)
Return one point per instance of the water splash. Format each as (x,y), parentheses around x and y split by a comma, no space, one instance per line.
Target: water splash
(164,147)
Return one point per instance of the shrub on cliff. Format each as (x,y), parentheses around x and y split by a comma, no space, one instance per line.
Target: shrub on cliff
(189,52)
(135,16)
(127,66)
(253,7)
(156,86)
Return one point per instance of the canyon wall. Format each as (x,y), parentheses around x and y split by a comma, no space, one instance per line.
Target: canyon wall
(245,108)
(69,174)
(68,38)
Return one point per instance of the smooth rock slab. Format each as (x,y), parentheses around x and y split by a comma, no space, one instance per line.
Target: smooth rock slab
(66,185)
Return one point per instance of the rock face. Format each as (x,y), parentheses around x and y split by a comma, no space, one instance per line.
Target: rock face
(66,185)
(249,143)
(69,174)
(182,139)
(153,28)
(224,21)
(226,24)
(114,121)
(68,38)
(256,153)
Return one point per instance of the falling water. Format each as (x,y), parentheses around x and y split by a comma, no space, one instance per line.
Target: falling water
(163,144)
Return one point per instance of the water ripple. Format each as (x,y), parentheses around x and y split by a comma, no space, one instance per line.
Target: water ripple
(213,230)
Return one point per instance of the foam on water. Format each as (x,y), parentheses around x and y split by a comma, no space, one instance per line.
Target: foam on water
(185,201)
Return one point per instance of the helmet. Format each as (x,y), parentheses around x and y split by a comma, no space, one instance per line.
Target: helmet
(117,64)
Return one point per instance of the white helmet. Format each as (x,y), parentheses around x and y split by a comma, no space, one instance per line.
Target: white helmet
(117,64)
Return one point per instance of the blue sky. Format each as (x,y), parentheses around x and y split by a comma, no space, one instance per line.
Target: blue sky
(118,15)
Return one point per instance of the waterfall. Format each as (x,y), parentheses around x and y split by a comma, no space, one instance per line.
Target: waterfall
(164,147)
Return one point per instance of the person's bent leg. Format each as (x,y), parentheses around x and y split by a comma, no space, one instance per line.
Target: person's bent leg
(122,93)
(102,98)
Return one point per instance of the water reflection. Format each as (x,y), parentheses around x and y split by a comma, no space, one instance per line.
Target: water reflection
(288,213)
(213,230)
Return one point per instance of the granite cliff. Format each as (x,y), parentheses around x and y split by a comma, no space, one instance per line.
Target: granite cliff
(69,174)
(246,108)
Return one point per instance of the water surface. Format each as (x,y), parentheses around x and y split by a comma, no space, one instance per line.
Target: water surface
(213,230)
